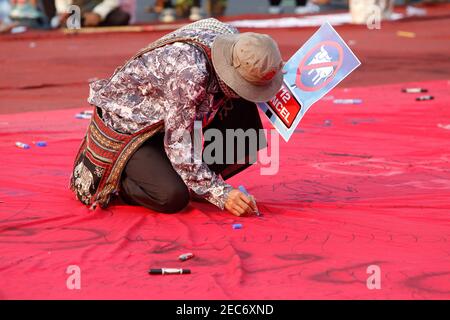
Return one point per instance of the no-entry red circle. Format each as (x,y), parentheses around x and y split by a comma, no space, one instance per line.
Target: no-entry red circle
(302,66)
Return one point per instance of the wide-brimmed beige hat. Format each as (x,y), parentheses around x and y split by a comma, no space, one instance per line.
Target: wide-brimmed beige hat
(250,64)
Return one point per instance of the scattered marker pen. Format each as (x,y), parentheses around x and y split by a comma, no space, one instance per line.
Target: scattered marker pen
(424,98)
(83,116)
(186,256)
(347,101)
(40,143)
(406,34)
(22,145)
(237,226)
(414,90)
(169,271)
(327,123)
(86,114)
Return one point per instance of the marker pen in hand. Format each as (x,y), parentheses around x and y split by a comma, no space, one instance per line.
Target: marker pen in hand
(244,191)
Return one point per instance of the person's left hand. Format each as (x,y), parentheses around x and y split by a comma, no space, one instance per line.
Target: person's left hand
(91,19)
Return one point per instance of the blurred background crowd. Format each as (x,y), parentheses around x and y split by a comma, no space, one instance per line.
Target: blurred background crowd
(47,14)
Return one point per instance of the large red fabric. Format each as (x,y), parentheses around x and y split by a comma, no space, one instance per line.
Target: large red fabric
(358,185)
(52,70)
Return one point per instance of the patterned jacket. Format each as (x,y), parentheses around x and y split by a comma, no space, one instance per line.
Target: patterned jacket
(176,85)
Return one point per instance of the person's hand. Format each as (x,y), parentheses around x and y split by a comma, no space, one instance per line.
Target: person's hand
(239,204)
(63,19)
(91,19)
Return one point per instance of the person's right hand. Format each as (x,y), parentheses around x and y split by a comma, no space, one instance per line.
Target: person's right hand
(239,204)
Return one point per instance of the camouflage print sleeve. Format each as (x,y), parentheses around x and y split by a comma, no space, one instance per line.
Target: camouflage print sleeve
(186,88)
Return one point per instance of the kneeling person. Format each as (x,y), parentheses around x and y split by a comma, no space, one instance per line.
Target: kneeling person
(206,73)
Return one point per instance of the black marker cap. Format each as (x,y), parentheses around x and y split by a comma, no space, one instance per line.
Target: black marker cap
(155,271)
(424,98)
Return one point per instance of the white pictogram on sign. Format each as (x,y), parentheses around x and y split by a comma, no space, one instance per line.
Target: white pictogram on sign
(319,66)
(322,73)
